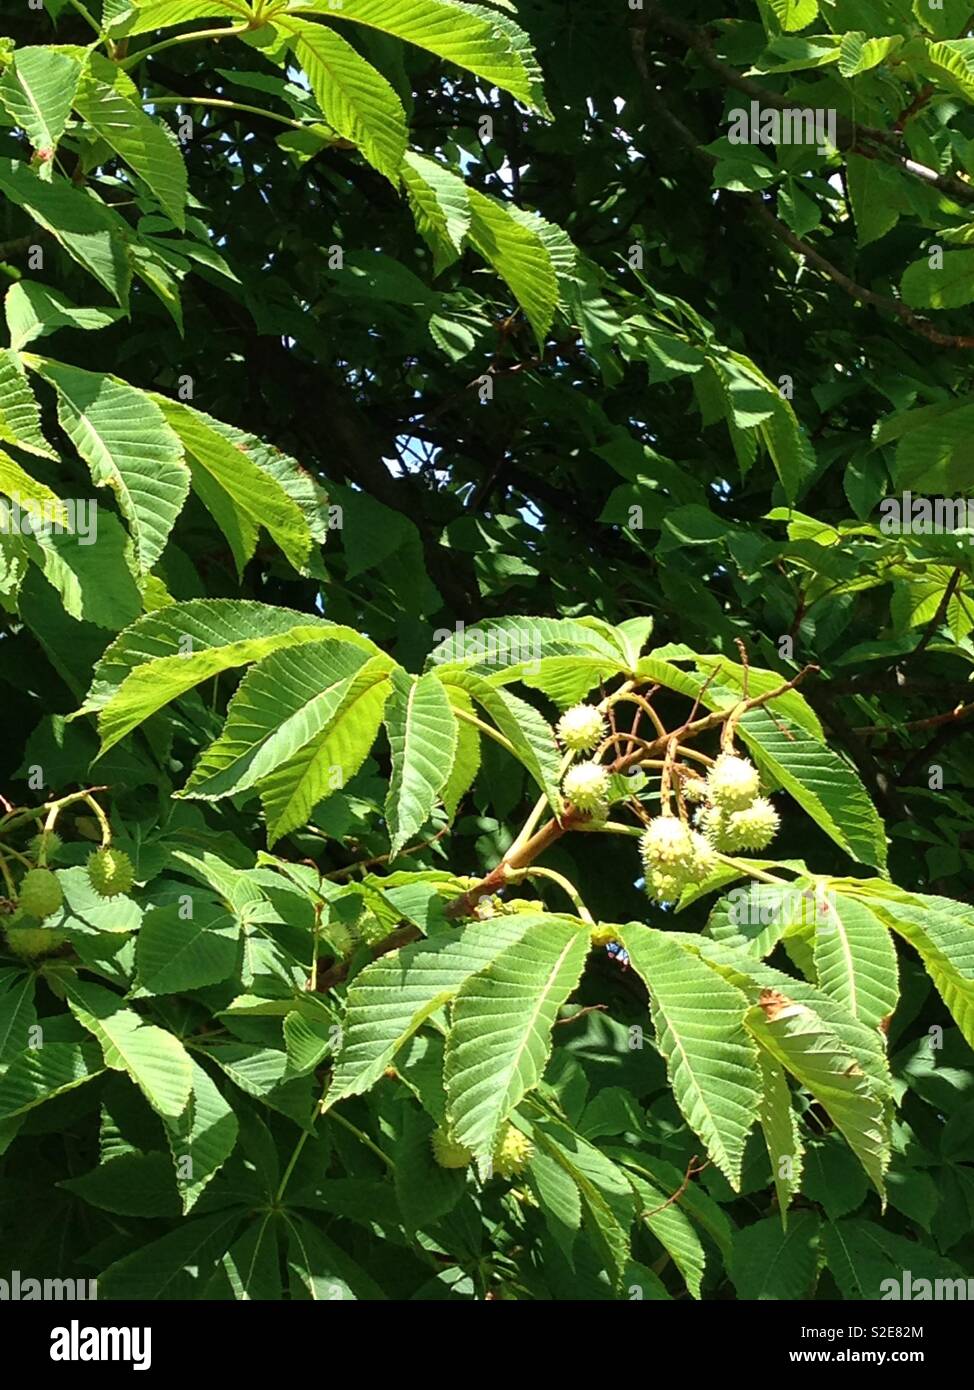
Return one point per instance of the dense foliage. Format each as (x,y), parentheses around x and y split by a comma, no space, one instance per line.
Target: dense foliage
(487,729)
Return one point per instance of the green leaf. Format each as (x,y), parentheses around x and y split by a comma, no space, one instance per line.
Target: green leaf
(872,186)
(520,257)
(855,960)
(354,98)
(466,764)
(257,496)
(131,1184)
(34,310)
(530,735)
(500,1038)
(800,1041)
(155,1060)
(281,707)
(711,1062)
(177,953)
(167,652)
(17,1018)
(20,418)
(771,1262)
(105,101)
(674,1231)
(608,1203)
(333,756)
(41,1073)
(37,90)
(92,234)
(394,995)
(794,14)
(161,1269)
(470,36)
(946,285)
(820,781)
(422,730)
(869,1262)
(440,205)
(123,438)
(782,1135)
(202,1138)
(940,930)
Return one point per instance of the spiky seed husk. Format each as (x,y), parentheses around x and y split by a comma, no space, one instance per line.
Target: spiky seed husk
(31,942)
(110,872)
(48,843)
(733,782)
(753,828)
(447,1152)
(40,893)
(581,728)
(586,786)
(512,1152)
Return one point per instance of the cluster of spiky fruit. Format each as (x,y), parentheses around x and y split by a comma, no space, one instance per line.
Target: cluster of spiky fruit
(40,895)
(512,1151)
(674,856)
(734,816)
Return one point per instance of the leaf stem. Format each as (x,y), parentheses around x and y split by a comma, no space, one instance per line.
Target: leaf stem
(484,728)
(224,32)
(227,106)
(534,871)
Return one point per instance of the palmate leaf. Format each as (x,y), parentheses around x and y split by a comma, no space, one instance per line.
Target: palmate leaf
(155,1060)
(355,99)
(500,1034)
(175,1265)
(862,1256)
(37,90)
(283,705)
(801,1042)
(106,99)
(333,756)
(422,730)
(166,653)
(394,995)
(472,37)
(855,959)
(711,1061)
(92,234)
(124,439)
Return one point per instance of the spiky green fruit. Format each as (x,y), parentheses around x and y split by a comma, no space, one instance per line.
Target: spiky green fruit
(581,728)
(447,1152)
(754,827)
(586,786)
(47,844)
(40,893)
(704,857)
(512,1152)
(733,782)
(666,844)
(31,942)
(695,789)
(110,872)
